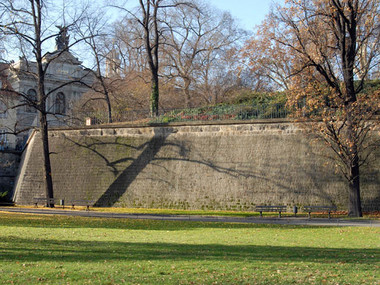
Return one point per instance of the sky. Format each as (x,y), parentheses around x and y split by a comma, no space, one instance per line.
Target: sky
(249,13)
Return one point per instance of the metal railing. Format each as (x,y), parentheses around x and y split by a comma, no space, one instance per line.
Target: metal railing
(212,113)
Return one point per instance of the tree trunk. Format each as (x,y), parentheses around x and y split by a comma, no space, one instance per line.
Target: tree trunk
(354,203)
(109,107)
(154,96)
(47,165)
(186,91)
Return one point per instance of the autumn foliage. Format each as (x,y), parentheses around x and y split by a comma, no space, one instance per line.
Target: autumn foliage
(324,52)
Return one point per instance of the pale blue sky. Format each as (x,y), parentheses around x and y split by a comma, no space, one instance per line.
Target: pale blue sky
(248,12)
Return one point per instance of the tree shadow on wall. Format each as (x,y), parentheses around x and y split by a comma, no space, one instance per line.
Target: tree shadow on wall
(112,165)
(137,165)
(125,179)
(148,156)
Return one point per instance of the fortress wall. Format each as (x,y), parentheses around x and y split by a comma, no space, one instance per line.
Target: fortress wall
(9,162)
(232,167)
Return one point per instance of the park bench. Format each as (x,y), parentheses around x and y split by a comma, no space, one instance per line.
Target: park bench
(311,209)
(278,209)
(82,202)
(43,200)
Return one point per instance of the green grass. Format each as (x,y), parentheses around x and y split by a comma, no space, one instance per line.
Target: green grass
(74,250)
(242,214)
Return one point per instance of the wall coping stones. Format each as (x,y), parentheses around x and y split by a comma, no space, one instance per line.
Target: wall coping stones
(206,129)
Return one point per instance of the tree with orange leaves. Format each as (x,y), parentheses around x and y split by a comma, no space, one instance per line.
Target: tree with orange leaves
(332,50)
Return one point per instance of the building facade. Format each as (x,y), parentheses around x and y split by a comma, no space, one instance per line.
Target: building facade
(66,80)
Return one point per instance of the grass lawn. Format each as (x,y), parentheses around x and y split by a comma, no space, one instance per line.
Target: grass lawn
(74,250)
(242,214)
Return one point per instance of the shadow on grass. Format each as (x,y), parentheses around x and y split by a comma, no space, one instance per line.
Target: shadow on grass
(37,221)
(32,250)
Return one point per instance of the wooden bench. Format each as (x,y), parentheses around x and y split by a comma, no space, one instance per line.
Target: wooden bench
(82,202)
(44,200)
(278,209)
(311,209)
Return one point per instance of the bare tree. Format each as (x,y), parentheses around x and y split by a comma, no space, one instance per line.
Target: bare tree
(27,24)
(149,17)
(95,31)
(149,22)
(196,36)
(267,58)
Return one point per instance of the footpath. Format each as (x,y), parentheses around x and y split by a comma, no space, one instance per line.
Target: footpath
(302,221)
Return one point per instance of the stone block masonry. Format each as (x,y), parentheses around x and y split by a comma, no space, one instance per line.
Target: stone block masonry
(9,162)
(223,167)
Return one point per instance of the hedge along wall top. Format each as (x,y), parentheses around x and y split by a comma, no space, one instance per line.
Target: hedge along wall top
(229,167)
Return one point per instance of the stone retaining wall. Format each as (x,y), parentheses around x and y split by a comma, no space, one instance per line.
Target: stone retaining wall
(9,162)
(231,167)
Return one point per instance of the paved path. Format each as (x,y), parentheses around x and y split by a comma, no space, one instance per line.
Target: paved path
(251,220)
